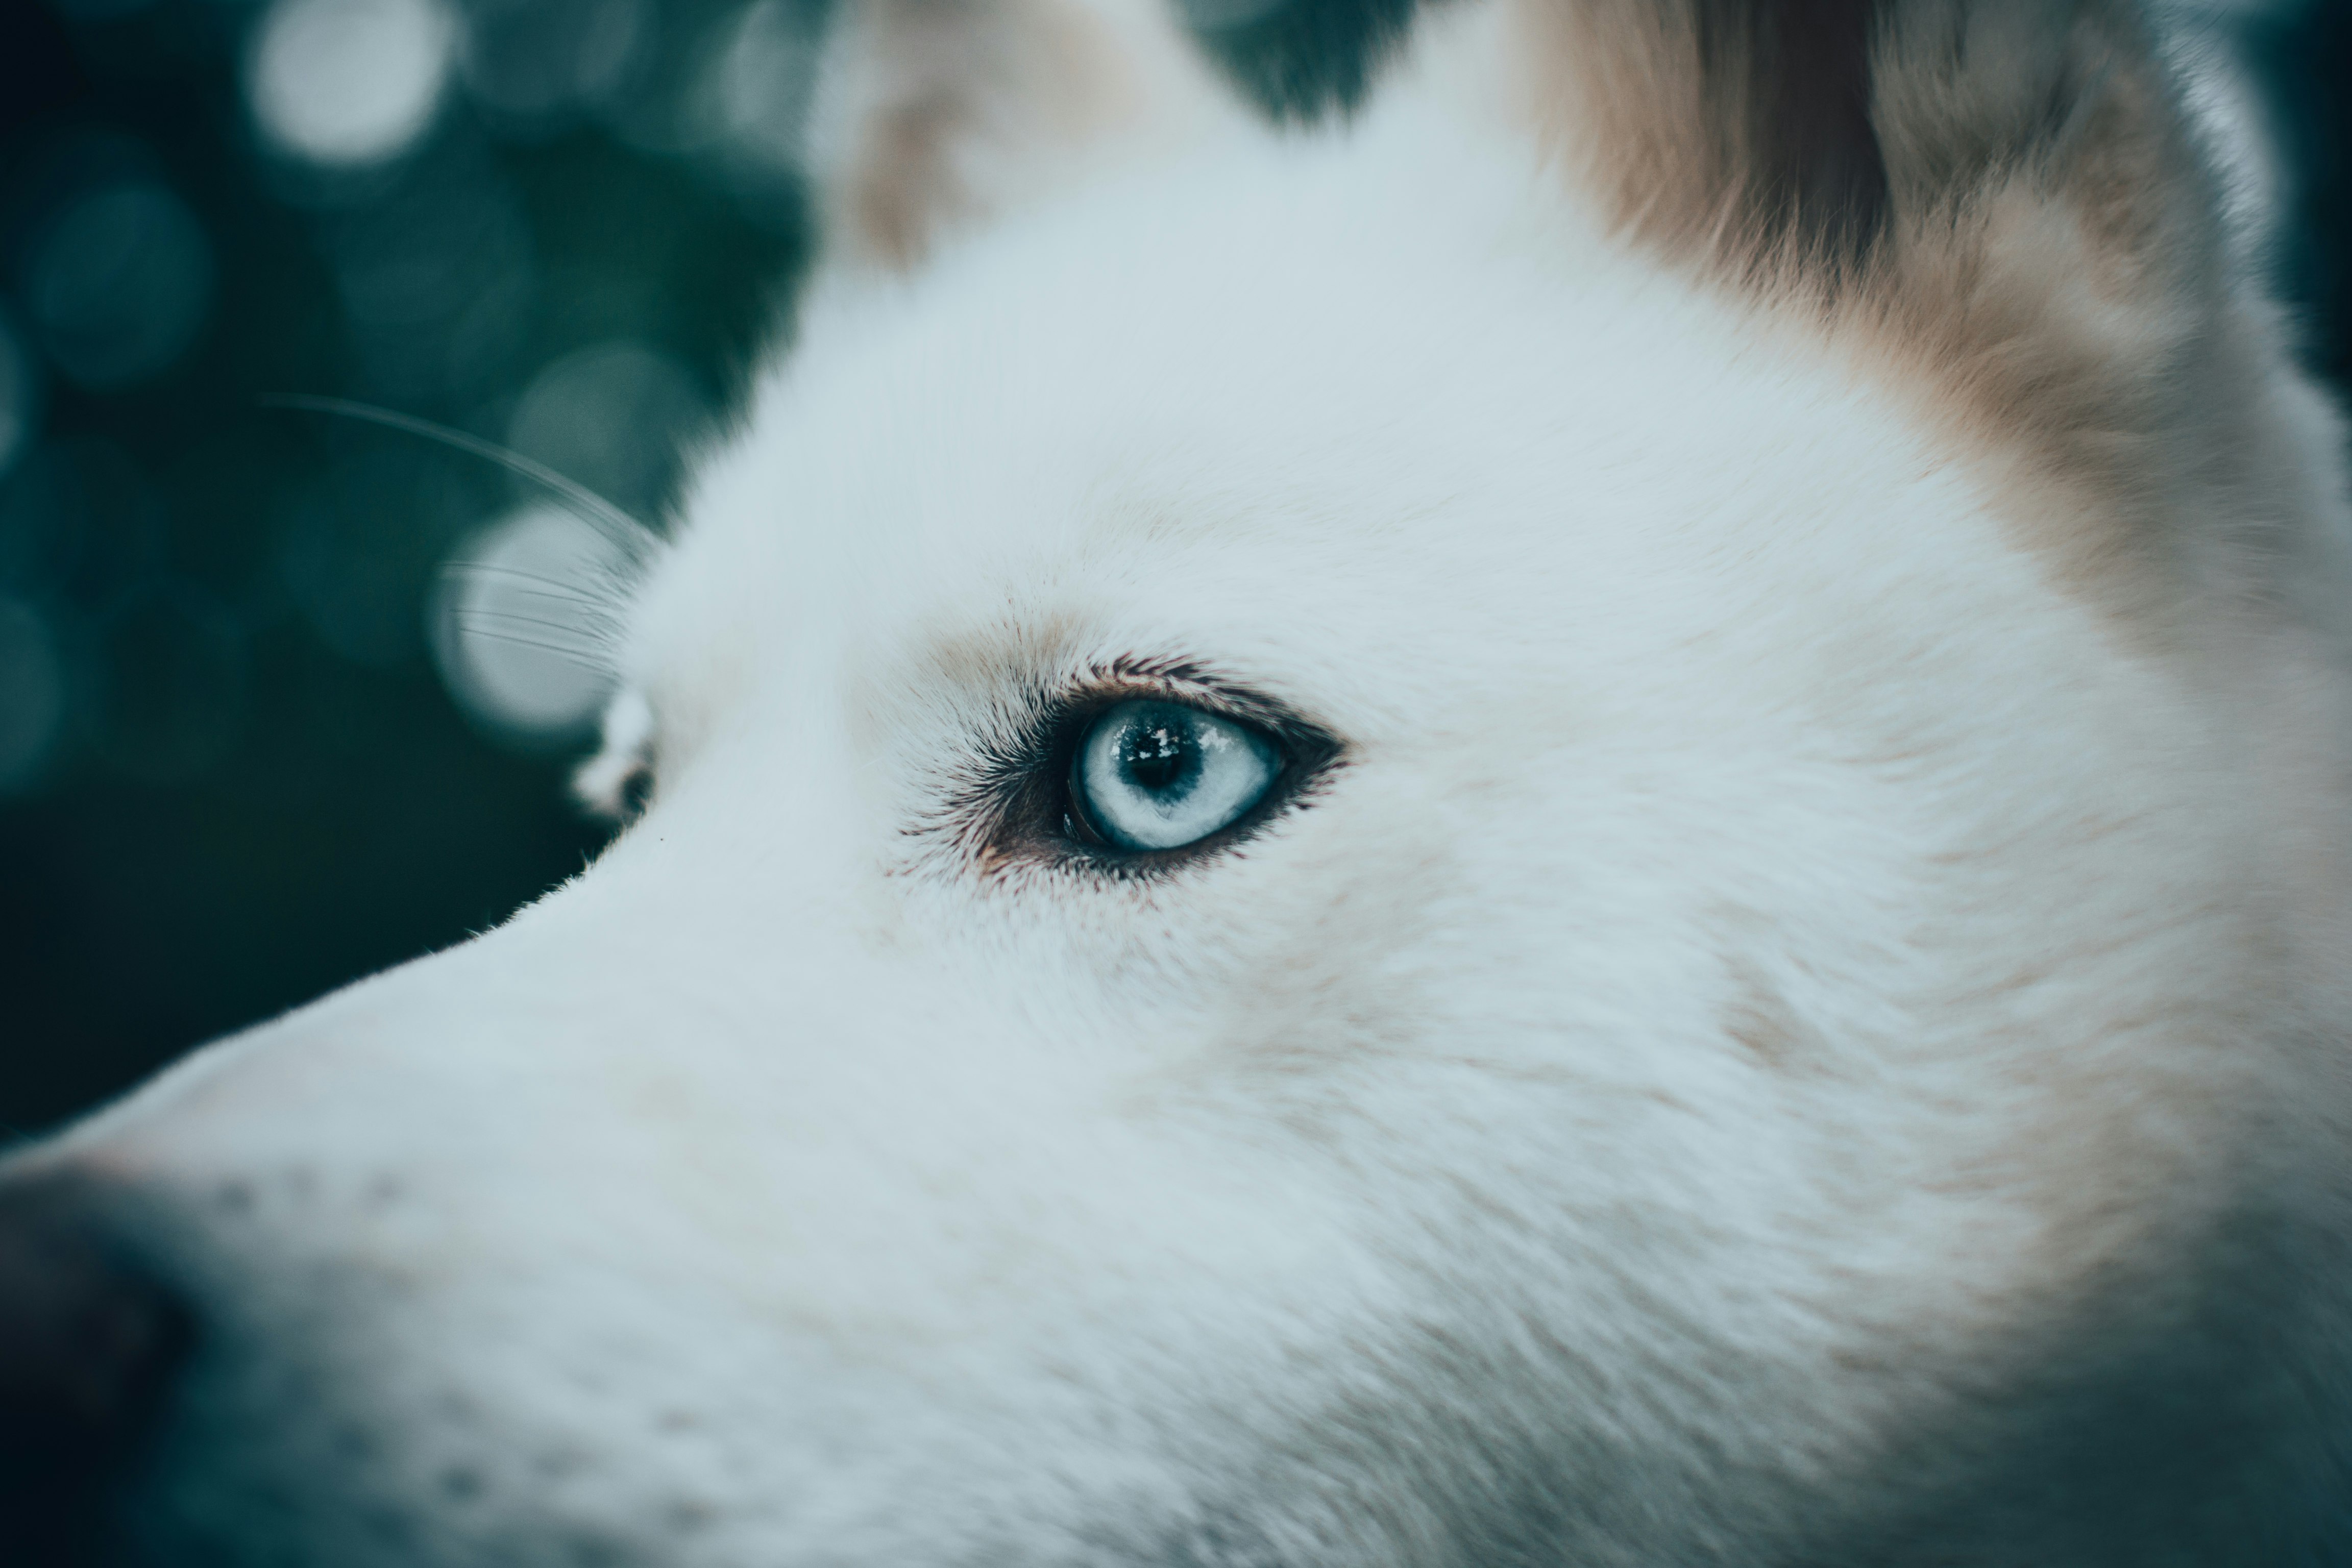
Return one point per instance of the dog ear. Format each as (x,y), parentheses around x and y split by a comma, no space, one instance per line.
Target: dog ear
(1765,133)
(935,114)
(2006,196)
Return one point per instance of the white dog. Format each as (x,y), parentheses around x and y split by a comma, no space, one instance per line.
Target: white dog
(1602,823)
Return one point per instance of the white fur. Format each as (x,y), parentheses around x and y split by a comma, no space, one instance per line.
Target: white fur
(1790,1024)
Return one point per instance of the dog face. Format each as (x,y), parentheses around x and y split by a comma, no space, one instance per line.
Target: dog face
(1582,826)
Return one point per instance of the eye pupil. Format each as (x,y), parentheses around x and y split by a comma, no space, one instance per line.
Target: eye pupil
(1159,757)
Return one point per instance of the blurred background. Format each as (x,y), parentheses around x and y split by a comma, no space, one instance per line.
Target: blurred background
(256,739)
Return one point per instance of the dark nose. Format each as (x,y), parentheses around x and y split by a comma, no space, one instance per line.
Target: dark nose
(88,1343)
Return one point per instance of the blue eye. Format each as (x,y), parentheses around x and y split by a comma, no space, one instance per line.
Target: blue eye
(1159,775)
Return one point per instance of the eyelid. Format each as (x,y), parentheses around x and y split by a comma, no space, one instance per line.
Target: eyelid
(1187,686)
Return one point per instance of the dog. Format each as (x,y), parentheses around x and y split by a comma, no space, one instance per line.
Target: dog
(1599,819)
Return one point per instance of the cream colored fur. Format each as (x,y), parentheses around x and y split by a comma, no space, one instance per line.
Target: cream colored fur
(1805,1025)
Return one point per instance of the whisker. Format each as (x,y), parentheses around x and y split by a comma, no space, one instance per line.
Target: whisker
(608,520)
(586,660)
(535,584)
(478,615)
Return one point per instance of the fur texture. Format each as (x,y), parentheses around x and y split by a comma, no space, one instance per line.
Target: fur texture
(1800,1019)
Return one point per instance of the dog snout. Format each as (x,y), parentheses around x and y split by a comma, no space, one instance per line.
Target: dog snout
(89,1341)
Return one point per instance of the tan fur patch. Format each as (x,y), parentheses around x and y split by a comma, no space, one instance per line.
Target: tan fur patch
(935,112)
(2000,210)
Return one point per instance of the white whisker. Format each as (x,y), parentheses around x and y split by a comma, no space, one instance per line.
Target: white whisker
(633,537)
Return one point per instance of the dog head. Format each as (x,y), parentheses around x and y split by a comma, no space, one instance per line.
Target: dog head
(1599,821)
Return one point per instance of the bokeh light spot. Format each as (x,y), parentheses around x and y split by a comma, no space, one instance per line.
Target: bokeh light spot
(528,61)
(614,416)
(32,694)
(436,285)
(522,622)
(350,82)
(118,284)
(766,79)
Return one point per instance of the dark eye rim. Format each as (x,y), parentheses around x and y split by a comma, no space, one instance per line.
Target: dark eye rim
(1038,813)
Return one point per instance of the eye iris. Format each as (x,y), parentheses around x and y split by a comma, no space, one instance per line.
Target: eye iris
(1160,775)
